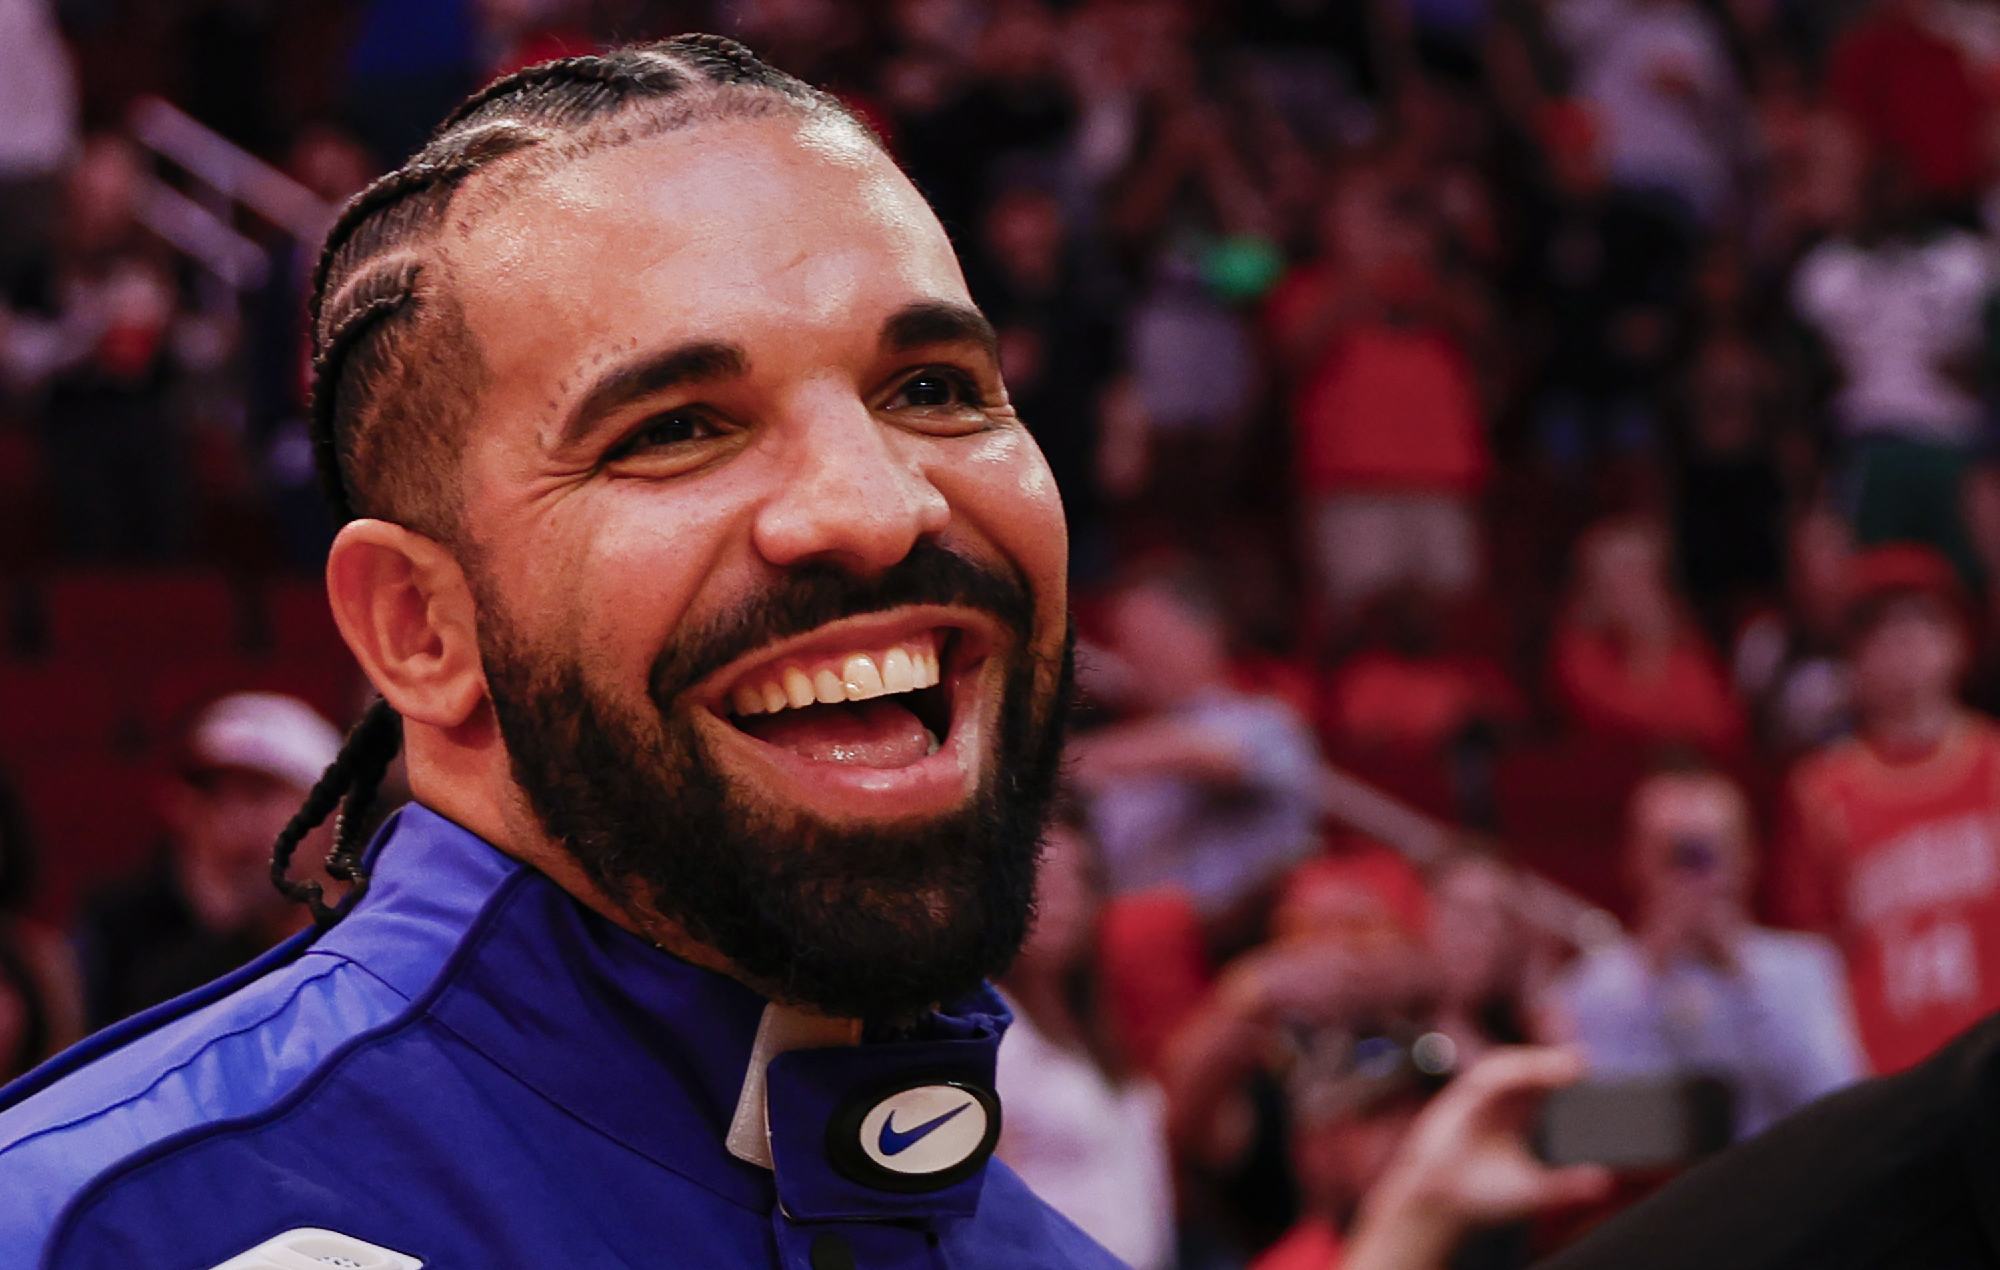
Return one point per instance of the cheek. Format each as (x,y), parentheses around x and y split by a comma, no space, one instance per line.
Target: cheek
(611,581)
(1002,490)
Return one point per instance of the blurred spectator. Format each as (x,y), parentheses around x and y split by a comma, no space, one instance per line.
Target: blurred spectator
(208,904)
(1730,501)
(1900,302)
(1205,788)
(1466,1164)
(1390,429)
(104,340)
(1658,75)
(1699,989)
(1907,88)
(41,999)
(1484,955)
(1403,687)
(1056,344)
(1081,1129)
(1789,662)
(1602,272)
(1894,848)
(409,63)
(38,101)
(1626,659)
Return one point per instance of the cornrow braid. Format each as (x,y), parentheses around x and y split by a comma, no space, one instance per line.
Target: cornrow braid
(394,367)
(349,784)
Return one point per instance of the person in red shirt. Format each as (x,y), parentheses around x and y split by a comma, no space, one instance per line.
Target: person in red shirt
(1909,91)
(1626,660)
(1894,847)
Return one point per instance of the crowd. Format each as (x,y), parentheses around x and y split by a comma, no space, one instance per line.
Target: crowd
(1574,416)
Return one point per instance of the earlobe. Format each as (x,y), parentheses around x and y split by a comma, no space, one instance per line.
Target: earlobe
(403,606)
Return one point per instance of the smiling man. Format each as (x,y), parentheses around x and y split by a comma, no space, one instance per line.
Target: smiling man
(716,600)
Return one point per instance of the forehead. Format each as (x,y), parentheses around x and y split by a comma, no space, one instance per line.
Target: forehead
(720,230)
(1689,805)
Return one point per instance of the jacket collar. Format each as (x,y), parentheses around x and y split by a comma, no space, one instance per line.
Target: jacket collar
(643,1047)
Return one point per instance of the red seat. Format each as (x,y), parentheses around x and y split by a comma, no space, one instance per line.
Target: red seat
(136,616)
(1562,807)
(169,697)
(94,822)
(61,707)
(300,622)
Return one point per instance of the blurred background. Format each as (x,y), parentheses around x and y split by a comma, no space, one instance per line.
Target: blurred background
(1533,505)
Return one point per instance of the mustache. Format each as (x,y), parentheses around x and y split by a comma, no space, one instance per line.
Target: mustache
(812,595)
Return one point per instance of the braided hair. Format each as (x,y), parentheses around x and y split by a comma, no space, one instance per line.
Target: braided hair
(395,368)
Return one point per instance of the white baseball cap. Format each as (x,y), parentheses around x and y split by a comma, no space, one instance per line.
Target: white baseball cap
(264,732)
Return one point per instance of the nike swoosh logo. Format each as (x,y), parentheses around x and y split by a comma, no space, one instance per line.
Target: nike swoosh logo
(895,1142)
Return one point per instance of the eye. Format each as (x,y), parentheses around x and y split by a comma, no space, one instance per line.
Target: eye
(937,388)
(665,431)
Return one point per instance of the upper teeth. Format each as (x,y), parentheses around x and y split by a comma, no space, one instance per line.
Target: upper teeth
(855,676)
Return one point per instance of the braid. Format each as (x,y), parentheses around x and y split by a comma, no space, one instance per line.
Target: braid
(349,783)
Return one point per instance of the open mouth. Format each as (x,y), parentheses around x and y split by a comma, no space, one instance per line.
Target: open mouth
(884,693)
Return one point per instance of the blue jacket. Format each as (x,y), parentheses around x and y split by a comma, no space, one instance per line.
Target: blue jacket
(475,1071)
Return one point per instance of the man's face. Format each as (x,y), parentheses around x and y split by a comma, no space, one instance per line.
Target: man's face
(1691,838)
(1911,657)
(770,578)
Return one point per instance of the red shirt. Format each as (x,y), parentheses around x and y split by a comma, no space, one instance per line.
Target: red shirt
(1909,92)
(1313,1244)
(1684,698)
(1900,864)
(1383,406)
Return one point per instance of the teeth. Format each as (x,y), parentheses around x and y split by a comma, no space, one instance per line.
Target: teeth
(898,675)
(861,678)
(827,687)
(798,688)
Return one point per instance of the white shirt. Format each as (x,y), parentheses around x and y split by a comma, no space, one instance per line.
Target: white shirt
(1891,314)
(1094,1150)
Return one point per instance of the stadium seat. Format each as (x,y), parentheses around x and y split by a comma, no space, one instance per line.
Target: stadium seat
(168,697)
(299,624)
(61,707)
(139,615)
(92,821)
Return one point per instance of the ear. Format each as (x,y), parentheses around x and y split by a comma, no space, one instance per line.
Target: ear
(406,611)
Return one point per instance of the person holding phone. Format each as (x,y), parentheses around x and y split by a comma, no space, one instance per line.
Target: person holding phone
(1698,989)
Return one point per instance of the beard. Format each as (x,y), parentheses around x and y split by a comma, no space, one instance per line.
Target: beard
(875,922)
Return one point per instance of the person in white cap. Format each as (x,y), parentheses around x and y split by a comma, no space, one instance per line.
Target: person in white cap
(207,905)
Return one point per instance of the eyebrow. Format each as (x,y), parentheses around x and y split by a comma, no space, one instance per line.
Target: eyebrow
(649,375)
(939,322)
(925,323)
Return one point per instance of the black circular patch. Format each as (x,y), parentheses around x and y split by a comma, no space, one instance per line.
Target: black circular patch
(914,1136)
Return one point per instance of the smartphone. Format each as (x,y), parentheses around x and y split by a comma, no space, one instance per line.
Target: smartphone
(1636,1124)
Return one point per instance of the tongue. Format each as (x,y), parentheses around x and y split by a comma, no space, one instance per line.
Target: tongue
(877,733)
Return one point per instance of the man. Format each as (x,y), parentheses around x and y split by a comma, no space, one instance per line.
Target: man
(1208,789)
(208,906)
(1698,989)
(1896,845)
(716,596)
(1900,823)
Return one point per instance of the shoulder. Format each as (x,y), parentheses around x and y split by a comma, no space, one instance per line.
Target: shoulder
(133,1090)
(1016,1229)
(1874,1176)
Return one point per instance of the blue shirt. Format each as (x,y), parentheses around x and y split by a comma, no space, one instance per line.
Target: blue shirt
(476,1071)
(1777,1025)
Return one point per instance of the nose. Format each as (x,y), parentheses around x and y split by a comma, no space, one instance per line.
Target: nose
(851,495)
